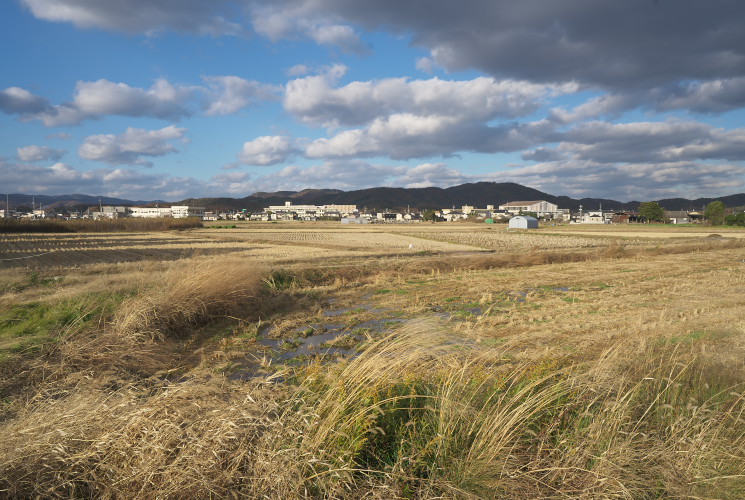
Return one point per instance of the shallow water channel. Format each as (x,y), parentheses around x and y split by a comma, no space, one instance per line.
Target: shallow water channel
(339,336)
(321,339)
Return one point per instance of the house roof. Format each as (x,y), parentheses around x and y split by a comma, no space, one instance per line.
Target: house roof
(521,203)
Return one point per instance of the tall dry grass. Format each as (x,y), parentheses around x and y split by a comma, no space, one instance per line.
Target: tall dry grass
(191,294)
(116,336)
(193,440)
(415,415)
(422,413)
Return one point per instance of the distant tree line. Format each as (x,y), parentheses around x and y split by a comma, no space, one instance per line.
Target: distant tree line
(714,214)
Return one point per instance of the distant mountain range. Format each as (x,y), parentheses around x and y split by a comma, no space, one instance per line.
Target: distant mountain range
(477,194)
(71,201)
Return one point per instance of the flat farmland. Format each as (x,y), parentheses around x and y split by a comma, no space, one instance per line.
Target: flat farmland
(283,244)
(287,243)
(302,360)
(443,237)
(630,231)
(65,250)
(378,238)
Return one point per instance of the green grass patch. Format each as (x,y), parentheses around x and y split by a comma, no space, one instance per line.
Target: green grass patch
(26,328)
(357,310)
(688,337)
(601,286)
(34,279)
(280,280)
(290,345)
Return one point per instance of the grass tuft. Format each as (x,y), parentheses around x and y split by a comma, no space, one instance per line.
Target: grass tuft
(191,296)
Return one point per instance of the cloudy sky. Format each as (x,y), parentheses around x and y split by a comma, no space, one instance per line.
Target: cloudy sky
(167,99)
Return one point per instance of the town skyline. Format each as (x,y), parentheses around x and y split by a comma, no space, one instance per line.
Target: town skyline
(477,195)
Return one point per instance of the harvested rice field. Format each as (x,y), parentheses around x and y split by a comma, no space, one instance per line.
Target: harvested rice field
(289,243)
(385,361)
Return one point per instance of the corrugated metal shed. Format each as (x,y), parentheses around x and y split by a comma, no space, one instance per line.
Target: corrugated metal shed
(354,220)
(523,222)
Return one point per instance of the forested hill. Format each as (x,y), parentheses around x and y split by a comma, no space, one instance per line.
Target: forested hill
(478,194)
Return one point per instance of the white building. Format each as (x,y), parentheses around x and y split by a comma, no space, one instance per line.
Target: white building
(112,212)
(312,211)
(599,216)
(343,209)
(451,215)
(150,212)
(539,207)
(181,211)
(466,211)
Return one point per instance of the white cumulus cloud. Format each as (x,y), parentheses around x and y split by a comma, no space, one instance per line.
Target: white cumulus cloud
(19,100)
(140,16)
(132,146)
(39,153)
(103,97)
(228,94)
(266,150)
(318,100)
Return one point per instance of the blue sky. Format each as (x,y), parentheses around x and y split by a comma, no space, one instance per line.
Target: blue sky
(169,99)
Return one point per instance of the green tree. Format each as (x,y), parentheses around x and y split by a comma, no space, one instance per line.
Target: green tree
(651,211)
(714,213)
(735,219)
(428,215)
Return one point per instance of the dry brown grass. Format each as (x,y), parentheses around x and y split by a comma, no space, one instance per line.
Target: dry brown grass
(416,414)
(190,296)
(191,440)
(43,251)
(606,372)
(133,224)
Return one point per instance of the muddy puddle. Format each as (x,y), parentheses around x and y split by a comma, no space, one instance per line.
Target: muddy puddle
(339,333)
(327,340)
